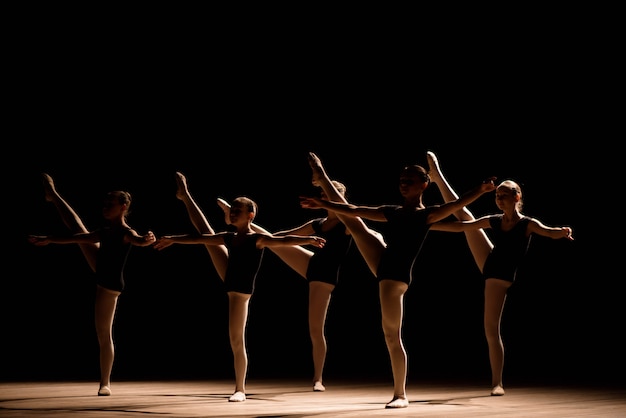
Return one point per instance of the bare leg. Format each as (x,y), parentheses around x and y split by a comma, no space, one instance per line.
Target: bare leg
(495,297)
(392,307)
(296,257)
(70,219)
(237,319)
(479,243)
(319,299)
(218,253)
(106,304)
(372,245)
(369,242)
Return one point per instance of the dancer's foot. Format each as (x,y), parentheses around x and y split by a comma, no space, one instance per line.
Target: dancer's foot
(48,187)
(104,391)
(433,167)
(237,397)
(497,390)
(398,403)
(226,208)
(316,167)
(318,387)
(181,183)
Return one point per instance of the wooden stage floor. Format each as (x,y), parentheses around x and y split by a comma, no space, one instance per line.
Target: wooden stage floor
(291,398)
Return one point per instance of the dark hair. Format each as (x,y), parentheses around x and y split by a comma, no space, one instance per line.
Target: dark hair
(416,170)
(515,189)
(248,203)
(341,188)
(122,197)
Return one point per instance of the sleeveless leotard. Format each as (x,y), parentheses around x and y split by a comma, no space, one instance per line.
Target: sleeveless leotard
(244,261)
(111,258)
(325,264)
(407,230)
(509,249)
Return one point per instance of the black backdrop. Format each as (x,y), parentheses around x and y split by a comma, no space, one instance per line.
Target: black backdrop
(98,120)
(172,318)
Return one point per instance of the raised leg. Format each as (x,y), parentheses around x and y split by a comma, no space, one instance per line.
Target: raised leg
(218,253)
(369,242)
(295,256)
(70,219)
(478,242)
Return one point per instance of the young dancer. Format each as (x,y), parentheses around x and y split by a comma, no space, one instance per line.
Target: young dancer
(391,259)
(237,257)
(498,259)
(321,268)
(106,251)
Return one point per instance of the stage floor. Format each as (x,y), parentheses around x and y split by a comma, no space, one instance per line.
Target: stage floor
(290,398)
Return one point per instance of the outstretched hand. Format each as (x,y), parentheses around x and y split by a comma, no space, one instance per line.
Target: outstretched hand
(567,231)
(149,238)
(318,242)
(311,202)
(162,243)
(488,185)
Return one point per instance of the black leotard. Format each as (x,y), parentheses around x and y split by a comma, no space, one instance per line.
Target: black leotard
(509,249)
(111,258)
(407,230)
(325,264)
(244,261)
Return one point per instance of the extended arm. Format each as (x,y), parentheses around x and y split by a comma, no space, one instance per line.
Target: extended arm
(141,240)
(290,240)
(206,239)
(461,226)
(80,238)
(304,229)
(447,209)
(373,213)
(555,232)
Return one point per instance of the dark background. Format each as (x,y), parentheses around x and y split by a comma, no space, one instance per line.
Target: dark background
(560,321)
(240,122)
